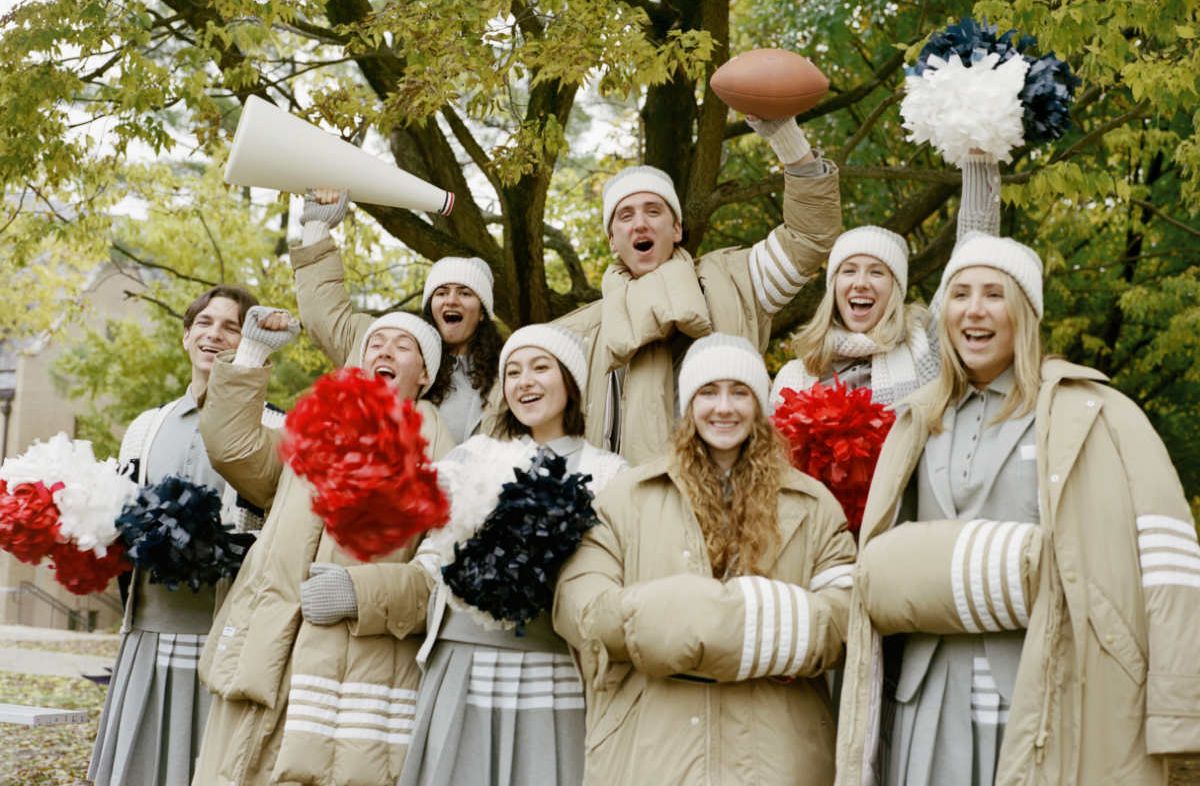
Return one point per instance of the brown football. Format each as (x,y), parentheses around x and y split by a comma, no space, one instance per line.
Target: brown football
(770,83)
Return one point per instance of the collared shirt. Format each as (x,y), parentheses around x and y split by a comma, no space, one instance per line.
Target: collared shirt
(462,408)
(179,450)
(570,448)
(976,457)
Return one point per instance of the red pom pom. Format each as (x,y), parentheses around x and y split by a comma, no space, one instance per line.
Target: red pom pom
(82,572)
(361,449)
(835,435)
(29,528)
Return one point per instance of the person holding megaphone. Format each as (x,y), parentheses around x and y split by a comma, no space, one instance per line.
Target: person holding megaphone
(457,300)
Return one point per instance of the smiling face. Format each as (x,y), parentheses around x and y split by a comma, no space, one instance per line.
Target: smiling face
(724,413)
(536,392)
(395,355)
(862,288)
(979,323)
(216,328)
(457,311)
(643,232)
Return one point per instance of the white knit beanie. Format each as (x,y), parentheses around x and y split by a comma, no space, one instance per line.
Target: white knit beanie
(560,342)
(1002,253)
(428,339)
(635,180)
(722,356)
(883,244)
(470,272)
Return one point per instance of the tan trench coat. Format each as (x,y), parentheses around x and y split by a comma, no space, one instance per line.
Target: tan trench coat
(1109,675)
(692,680)
(295,702)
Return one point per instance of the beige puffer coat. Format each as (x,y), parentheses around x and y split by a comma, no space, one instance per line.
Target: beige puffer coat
(643,324)
(1109,675)
(695,681)
(295,702)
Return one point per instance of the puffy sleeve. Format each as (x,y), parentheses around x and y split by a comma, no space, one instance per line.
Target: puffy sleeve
(793,253)
(949,577)
(242,449)
(324,304)
(750,626)
(1169,562)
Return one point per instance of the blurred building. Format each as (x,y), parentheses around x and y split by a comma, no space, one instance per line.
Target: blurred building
(32,409)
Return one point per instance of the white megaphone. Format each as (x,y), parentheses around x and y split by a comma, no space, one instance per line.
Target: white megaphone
(274,149)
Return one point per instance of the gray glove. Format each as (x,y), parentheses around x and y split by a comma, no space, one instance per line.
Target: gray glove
(257,342)
(784,136)
(317,219)
(328,595)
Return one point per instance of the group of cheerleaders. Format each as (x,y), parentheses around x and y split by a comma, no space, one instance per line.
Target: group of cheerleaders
(1012,610)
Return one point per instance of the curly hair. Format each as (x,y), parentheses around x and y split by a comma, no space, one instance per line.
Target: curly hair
(484,351)
(738,532)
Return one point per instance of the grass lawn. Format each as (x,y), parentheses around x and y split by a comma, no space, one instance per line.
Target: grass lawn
(48,755)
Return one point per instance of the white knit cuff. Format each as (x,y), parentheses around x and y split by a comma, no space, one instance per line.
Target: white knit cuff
(251,353)
(313,232)
(785,137)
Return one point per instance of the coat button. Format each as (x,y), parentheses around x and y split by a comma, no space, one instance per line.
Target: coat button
(686,554)
(1069,576)
(1054,478)
(695,720)
(1091,402)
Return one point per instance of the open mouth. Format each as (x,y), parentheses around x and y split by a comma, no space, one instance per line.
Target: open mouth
(451,317)
(210,350)
(976,338)
(385,372)
(644,245)
(861,306)
(530,398)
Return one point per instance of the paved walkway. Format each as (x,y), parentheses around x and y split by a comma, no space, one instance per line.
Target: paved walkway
(15,658)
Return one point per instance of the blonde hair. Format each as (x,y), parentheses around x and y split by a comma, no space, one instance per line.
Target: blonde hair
(738,532)
(816,345)
(952,382)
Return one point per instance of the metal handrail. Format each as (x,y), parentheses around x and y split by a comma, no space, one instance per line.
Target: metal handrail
(80,621)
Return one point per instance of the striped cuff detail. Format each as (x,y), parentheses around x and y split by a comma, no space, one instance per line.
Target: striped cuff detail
(775,641)
(839,576)
(775,278)
(1168,552)
(985,575)
(180,650)
(524,681)
(987,705)
(350,710)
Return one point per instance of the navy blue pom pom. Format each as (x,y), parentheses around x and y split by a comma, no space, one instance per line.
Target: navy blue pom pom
(509,567)
(173,530)
(1049,84)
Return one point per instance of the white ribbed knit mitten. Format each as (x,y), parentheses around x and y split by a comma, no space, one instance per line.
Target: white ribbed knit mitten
(318,218)
(784,136)
(257,342)
(328,595)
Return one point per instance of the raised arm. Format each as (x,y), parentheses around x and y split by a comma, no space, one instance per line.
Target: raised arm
(325,308)
(793,253)
(241,448)
(979,209)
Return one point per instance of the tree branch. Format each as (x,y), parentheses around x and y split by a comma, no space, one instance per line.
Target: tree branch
(865,128)
(216,248)
(467,140)
(1158,211)
(149,299)
(155,266)
(1099,131)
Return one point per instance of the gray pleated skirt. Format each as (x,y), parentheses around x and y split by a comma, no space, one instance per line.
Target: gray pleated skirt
(154,713)
(495,715)
(947,732)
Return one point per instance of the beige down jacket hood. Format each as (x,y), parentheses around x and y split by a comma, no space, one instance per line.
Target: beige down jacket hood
(692,681)
(296,702)
(1109,676)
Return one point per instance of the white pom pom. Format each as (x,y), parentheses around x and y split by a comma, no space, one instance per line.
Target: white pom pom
(955,107)
(93,492)
(474,473)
